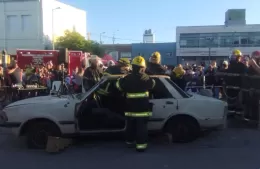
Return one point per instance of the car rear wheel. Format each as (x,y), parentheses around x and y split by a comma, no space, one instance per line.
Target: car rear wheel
(38,133)
(183,129)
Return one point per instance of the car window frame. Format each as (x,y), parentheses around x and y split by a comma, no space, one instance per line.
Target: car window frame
(93,89)
(182,93)
(172,97)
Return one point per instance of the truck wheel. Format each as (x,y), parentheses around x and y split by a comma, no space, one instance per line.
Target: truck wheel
(38,133)
(183,129)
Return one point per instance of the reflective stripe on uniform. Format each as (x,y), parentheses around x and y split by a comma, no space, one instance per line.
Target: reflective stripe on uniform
(104,91)
(138,114)
(153,83)
(137,95)
(107,74)
(118,86)
(141,146)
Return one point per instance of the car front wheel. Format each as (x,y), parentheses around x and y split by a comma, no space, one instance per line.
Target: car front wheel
(183,129)
(38,133)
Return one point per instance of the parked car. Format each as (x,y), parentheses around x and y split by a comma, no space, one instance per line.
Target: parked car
(174,111)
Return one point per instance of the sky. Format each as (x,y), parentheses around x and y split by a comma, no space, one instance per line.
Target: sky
(127,19)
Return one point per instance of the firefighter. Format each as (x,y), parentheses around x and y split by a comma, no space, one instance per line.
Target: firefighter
(233,83)
(137,109)
(154,67)
(92,74)
(123,67)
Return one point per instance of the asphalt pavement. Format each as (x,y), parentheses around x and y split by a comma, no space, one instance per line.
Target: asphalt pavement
(233,148)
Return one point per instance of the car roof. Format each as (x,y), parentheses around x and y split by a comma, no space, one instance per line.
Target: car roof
(111,77)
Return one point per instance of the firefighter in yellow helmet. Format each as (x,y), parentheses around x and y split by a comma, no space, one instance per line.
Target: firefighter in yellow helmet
(137,109)
(155,67)
(232,82)
(123,67)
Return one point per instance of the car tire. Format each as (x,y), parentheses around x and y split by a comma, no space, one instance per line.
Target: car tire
(38,133)
(183,129)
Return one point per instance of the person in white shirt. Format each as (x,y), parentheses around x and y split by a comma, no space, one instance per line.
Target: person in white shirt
(78,77)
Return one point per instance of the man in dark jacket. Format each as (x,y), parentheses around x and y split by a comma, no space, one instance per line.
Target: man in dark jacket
(136,87)
(154,66)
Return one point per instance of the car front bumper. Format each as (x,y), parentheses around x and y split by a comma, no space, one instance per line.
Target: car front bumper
(10,127)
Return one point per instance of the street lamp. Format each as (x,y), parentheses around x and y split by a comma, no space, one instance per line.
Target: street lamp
(100,37)
(52,14)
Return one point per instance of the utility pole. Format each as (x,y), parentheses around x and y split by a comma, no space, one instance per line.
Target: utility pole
(113,38)
(210,46)
(100,37)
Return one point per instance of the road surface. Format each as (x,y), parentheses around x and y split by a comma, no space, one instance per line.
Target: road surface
(234,148)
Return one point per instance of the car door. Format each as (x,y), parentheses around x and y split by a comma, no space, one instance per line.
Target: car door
(102,114)
(83,97)
(163,102)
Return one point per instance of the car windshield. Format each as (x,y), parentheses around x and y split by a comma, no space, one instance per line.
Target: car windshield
(182,93)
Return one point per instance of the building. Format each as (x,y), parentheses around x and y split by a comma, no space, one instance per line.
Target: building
(148,36)
(28,24)
(167,50)
(204,43)
(118,51)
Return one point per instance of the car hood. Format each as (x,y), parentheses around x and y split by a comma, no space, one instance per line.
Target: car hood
(38,100)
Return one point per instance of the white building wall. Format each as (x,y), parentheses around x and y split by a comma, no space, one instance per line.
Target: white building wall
(65,18)
(220,51)
(20,26)
(28,24)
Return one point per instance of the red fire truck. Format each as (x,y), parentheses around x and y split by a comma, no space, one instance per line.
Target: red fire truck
(72,59)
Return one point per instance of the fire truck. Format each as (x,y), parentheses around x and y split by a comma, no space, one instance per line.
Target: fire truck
(71,59)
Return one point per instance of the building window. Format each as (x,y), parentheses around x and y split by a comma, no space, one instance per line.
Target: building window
(228,39)
(26,22)
(12,22)
(189,42)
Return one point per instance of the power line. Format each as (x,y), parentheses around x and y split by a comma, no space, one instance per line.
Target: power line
(113,37)
(126,39)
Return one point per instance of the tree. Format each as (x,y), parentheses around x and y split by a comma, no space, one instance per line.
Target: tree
(71,40)
(75,41)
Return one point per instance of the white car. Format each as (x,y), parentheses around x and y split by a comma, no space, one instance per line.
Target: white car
(174,111)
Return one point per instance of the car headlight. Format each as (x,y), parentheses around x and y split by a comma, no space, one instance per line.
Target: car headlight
(3,117)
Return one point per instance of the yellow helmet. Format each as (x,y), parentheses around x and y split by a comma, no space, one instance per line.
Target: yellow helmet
(124,61)
(237,52)
(156,56)
(139,61)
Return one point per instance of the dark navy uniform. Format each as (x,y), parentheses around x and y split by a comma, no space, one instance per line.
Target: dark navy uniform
(137,108)
(155,69)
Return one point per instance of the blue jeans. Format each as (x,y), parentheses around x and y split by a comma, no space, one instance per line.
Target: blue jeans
(216,92)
